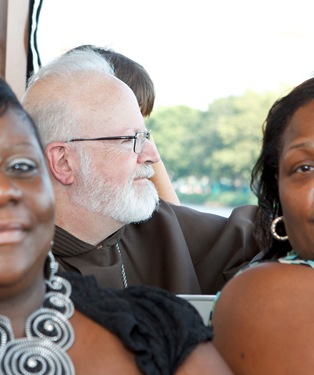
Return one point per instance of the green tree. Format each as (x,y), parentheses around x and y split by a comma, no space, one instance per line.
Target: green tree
(238,122)
(221,143)
(174,130)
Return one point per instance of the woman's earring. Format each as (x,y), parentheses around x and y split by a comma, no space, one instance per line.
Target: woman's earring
(273,229)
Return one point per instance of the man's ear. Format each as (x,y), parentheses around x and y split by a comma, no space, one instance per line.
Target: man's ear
(59,160)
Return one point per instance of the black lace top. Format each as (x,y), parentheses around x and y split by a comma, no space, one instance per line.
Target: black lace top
(160,328)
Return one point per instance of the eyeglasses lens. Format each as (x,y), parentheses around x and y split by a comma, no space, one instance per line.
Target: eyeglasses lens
(140,141)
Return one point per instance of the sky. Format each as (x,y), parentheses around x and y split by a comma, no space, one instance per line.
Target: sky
(195,50)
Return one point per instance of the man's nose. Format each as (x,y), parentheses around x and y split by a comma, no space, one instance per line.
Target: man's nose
(149,153)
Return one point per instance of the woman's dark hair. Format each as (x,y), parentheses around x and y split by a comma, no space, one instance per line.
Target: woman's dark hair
(8,100)
(264,177)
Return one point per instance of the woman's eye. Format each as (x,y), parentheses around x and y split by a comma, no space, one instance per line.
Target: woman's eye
(22,166)
(305,168)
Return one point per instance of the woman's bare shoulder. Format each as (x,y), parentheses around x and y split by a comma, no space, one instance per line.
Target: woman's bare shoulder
(264,317)
(267,287)
(270,279)
(98,351)
(204,359)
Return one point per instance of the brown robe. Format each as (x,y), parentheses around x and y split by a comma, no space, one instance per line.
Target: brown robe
(179,249)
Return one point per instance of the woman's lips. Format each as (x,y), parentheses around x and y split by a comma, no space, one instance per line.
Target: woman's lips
(11,233)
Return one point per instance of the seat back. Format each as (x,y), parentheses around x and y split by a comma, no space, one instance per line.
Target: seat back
(202,302)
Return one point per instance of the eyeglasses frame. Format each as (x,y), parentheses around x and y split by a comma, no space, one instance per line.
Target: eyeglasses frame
(134,137)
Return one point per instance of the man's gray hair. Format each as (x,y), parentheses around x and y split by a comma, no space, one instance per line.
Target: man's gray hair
(53,115)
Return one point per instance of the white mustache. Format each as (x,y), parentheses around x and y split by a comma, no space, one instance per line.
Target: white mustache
(146,171)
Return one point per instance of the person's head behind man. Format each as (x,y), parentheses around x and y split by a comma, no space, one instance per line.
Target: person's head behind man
(130,72)
(98,183)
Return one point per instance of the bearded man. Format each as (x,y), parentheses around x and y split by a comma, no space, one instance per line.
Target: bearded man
(109,220)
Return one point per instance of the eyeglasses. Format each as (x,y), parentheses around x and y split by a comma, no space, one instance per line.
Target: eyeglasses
(138,145)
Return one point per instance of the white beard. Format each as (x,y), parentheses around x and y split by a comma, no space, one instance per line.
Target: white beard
(131,203)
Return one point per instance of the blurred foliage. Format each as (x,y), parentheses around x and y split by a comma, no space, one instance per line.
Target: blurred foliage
(221,143)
